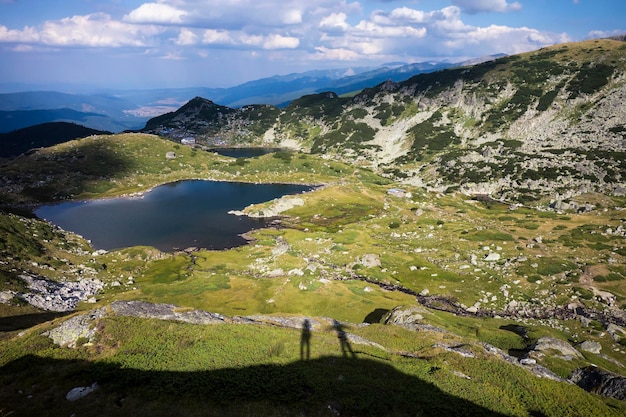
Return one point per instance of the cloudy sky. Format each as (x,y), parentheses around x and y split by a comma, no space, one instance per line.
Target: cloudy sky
(219,43)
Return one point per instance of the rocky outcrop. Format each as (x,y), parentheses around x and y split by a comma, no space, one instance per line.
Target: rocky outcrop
(566,350)
(58,296)
(601,382)
(406,316)
(75,329)
(164,312)
(275,208)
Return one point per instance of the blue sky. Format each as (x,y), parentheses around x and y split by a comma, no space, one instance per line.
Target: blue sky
(182,43)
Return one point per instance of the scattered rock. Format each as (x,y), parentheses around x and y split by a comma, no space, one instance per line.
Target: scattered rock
(170,155)
(370,260)
(70,331)
(277,207)
(549,343)
(275,273)
(282,247)
(591,346)
(399,193)
(403,316)
(600,382)
(59,296)
(472,309)
(492,257)
(616,331)
(80,392)
(458,349)
(6,296)
(164,312)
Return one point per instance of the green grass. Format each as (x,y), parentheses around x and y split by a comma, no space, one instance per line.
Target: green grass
(234,369)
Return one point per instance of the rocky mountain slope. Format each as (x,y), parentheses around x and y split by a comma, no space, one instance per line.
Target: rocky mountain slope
(547,126)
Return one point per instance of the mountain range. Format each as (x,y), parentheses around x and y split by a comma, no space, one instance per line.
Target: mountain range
(119,110)
(546,126)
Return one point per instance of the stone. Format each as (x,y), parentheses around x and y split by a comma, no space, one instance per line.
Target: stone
(170,155)
(492,257)
(70,331)
(601,382)
(549,343)
(402,316)
(80,392)
(615,331)
(370,260)
(591,346)
(6,296)
(58,296)
(164,312)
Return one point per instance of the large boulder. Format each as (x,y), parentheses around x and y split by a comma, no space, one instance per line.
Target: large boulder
(546,344)
(70,331)
(600,382)
(406,316)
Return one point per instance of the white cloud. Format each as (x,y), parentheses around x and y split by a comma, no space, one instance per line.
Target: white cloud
(26,35)
(336,54)
(334,22)
(186,37)
(216,37)
(292,17)
(477,6)
(242,39)
(369,29)
(94,30)
(274,41)
(504,39)
(155,13)
(321,30)
(410,15)
(594,34)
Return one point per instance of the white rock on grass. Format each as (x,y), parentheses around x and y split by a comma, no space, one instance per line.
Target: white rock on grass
(6,296)
(492,257)
(80,392)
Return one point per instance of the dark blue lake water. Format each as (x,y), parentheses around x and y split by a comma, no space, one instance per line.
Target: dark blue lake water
(244,152)
(172,216)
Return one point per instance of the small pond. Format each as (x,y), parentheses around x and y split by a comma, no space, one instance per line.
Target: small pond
(244,152)
(172,216)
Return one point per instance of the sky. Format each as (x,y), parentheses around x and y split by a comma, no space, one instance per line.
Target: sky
(207,43)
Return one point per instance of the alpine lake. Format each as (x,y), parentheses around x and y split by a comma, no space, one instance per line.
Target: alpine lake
(174,216)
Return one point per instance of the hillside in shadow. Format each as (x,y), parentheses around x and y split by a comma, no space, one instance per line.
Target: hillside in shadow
(41,136)
(46,176)
(328,386)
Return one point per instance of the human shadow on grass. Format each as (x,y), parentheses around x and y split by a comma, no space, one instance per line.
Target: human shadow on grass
(331,385)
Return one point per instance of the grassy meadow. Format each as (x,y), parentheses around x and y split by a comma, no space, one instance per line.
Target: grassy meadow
(353,252)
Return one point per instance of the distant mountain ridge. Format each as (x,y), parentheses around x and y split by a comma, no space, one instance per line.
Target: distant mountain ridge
(20,119)
(119,110)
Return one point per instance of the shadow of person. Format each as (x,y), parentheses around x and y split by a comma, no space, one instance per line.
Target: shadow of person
(346,349)
(305,340)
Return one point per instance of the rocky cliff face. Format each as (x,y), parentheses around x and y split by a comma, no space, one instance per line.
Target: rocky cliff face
(545,126)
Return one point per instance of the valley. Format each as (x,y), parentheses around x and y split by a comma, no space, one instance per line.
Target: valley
(468,232)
